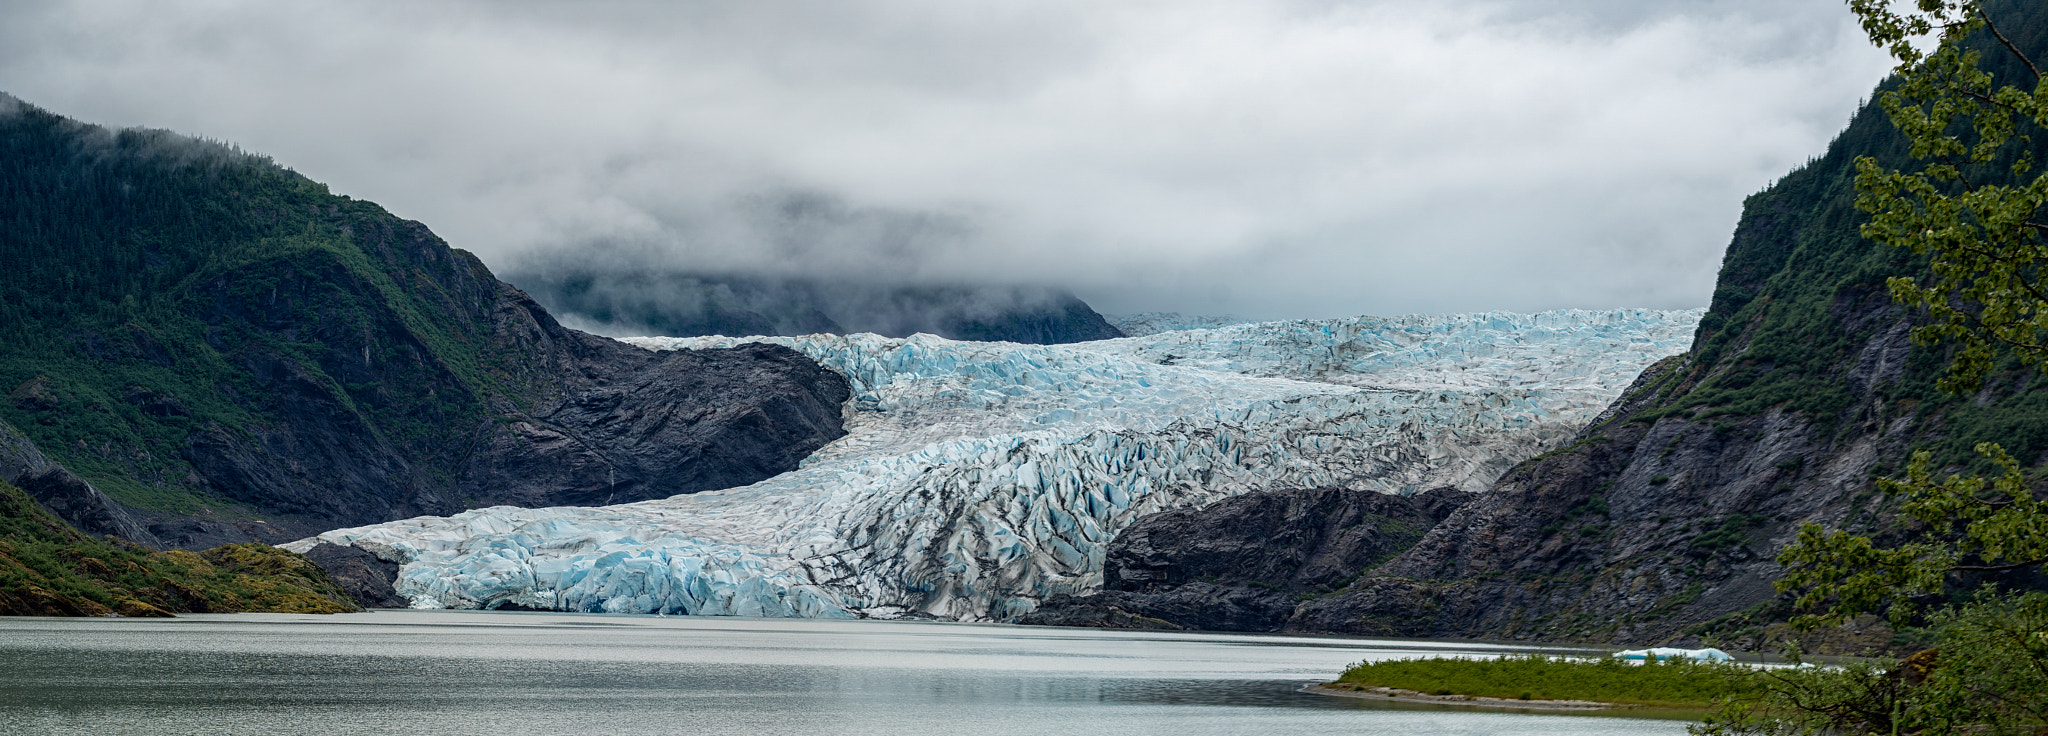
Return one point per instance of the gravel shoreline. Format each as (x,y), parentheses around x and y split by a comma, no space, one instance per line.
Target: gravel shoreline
(1410,696)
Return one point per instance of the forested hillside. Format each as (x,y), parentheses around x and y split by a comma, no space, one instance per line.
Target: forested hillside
(233,352)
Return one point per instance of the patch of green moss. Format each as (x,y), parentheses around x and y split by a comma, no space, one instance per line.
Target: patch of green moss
(49,569)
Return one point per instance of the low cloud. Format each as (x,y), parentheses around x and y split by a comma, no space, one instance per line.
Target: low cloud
(1273,158)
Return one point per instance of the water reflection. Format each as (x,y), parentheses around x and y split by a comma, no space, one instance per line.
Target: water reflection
(492,673)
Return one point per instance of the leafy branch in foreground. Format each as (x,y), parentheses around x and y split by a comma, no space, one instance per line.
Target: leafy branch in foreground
(1985,290)
(1968,529)
(1974,210)
(1983,676)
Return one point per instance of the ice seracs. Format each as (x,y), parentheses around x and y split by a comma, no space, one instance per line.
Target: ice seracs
(978,478)
(1152,323)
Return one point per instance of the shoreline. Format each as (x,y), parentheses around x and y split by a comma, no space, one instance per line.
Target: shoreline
(1396,695)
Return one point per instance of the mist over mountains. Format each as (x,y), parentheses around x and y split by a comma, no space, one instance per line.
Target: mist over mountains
(1272,159)
(629,302)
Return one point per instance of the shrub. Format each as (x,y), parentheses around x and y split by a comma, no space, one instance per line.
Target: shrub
(1670,683)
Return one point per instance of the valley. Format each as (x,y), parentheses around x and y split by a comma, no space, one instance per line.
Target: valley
(978,478)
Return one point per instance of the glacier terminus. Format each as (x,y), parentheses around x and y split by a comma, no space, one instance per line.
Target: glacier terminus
(977,478)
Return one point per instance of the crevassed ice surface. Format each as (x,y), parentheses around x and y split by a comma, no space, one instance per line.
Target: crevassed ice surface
(1153,323)
(978,478)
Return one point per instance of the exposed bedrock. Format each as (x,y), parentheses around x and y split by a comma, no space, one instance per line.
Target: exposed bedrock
(1246,563)
(597,422)
(637,424)
(1641,532)
(60,492)
(365,579)
(1635,533)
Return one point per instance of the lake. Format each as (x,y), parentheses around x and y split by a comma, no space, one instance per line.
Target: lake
(454,672)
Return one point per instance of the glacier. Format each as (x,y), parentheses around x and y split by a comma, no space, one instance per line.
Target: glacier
(977,478)
(1144,324)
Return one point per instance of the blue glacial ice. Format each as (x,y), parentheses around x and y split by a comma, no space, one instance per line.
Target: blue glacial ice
(1152,323)
(978,478)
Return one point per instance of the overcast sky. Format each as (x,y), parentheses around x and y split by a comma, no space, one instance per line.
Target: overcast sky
(1265,158)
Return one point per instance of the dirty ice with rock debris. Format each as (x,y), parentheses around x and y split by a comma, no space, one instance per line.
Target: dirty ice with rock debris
(977,478)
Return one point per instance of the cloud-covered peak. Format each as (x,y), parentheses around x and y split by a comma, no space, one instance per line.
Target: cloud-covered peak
(1275,158)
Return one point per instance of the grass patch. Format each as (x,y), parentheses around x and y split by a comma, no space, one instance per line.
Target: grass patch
(49,569)
(1677,684)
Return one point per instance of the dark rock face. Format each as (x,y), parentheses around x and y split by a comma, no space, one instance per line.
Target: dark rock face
(1245,563)
(599,422)
(644,425)
(688,304)
(367,579)
(67,496)
(1635,534)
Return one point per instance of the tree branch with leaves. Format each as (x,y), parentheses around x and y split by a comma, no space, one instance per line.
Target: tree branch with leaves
(1974,209)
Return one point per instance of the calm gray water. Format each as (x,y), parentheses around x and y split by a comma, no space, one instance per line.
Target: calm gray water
(438,672)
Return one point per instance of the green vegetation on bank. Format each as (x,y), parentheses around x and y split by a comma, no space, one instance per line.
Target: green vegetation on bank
(49,569)
(1674,683)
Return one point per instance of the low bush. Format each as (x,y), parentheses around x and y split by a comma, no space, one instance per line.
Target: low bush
(49,569)
(1670,683)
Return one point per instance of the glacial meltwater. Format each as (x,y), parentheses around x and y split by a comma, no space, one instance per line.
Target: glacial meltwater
(450,672)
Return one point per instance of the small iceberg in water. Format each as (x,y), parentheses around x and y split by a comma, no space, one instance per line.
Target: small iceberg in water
(1653,654)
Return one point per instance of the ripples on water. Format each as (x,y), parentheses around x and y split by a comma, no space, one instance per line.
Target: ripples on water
(438,672)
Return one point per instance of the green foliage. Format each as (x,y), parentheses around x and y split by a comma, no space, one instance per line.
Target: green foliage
(1773,336)
(49,569)
(154,288)
(1786,321)
(1733,531)
(1985,287)
(1983,676)
(1984,295)
(1590,506)
(1858,698)
(1973,526)
(1982,292)
(1672,683)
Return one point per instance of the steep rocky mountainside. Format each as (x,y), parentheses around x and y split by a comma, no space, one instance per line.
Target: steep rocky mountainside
(1661,520)
(681,304)
(1246,563)
(228,352)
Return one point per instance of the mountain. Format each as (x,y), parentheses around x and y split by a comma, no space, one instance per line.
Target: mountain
(218,349)
(675,304)
(1660,521)
(1246,562)
(980,478)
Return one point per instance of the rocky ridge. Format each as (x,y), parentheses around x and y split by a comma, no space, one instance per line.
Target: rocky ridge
(651,301)
(1247,563)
